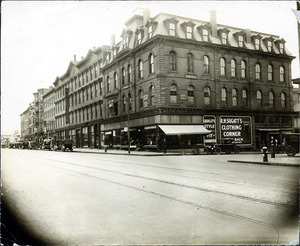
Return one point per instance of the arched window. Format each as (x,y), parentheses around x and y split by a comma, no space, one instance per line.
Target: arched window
(224,95)
(283,100)
(141,98)
(259,99)
(191,96)
(151,64)
(172,29)
(206,65)
(189,32)
(129,74)
(115,80)
(222,67)
(270,72)
(123,76)
(172,61)
(271,99)
(173,94)
(129,102)
(205,35)
(108,83)
(245,98)
(140,67)
(233,68)
(151,95)
(124,103)
(243,69)
(234,97)
(190,63)
(281,74)
(257,71)
(207,95)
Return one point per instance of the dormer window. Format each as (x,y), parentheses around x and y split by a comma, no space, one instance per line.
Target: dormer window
(107,57)
(281,48)
(125,42)
(150,31)
(205,35)
(189,32)
(139,38)
(269,45)
(115,52)
(224,38)
(241,41)
(172,29)
(257,44)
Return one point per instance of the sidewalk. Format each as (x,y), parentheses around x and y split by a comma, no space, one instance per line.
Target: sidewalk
(279,160)
(243,157)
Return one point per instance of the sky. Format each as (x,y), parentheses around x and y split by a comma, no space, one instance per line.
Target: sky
(40,38)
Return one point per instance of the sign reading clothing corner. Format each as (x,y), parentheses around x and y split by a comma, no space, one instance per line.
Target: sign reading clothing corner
(239,128)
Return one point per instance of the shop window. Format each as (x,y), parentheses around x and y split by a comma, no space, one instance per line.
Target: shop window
(245,98)
(283,99)
(270,72)
(233,68)
(281,74)
(234,97)
(207,95)
(190,63)
(205,65)
(172,29)
(271,99)
(173,94)
(151,64)
(222,67)
(172,61)
(258,71)
(191,96)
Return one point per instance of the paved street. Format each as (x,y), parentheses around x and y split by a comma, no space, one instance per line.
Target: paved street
(67,198)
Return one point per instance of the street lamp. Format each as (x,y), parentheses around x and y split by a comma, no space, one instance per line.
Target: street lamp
(128,129)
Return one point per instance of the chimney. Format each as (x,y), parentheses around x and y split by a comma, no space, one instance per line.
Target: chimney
(146,16)
(112,40)
(82,58)
(213,22)
(248,35)
(74,57)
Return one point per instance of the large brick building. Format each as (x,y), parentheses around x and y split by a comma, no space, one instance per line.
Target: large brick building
(172,75)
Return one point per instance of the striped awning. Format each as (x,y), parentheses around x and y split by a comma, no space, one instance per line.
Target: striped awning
(183,129)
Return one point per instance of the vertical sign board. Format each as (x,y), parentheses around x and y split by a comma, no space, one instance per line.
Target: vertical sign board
(239,128)
(209,122)
(67,106)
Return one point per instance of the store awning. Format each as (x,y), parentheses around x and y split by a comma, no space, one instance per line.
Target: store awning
(183,129)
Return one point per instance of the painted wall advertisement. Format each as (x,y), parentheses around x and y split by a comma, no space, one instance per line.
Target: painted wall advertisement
(209,122)
(239,128)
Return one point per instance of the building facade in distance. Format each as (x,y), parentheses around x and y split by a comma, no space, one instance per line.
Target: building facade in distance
(175,77)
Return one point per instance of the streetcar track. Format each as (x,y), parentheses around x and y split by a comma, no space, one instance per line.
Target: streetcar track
(283,205)
(197,205)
